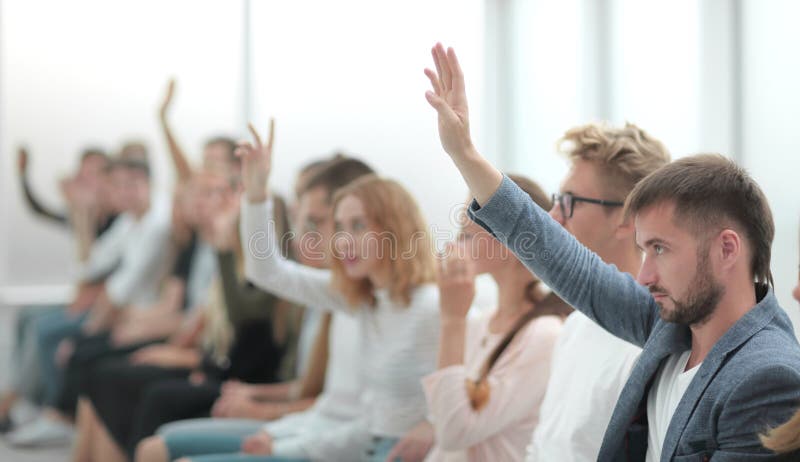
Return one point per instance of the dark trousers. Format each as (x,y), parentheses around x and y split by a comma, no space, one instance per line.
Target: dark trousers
(89,350)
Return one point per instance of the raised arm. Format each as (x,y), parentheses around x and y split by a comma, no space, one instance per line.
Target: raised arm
(30,197)
(183,170)
(613,299)
(264,265)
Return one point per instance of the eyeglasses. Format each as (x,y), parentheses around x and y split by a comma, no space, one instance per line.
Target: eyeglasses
(566,202)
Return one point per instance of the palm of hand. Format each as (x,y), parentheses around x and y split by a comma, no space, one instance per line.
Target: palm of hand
(256,163)
(456,279)
(450,101)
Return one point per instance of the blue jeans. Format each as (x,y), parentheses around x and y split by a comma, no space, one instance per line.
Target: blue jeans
(379,449)
(51,329)
(221,447)
(215,447)
(24,375)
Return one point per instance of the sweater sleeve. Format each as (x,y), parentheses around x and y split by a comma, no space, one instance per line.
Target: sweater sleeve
(610,297)
(268,269)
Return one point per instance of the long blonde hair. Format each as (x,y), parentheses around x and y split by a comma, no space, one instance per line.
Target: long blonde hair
(407,247)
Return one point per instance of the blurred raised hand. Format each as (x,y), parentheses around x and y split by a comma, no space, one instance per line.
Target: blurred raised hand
(256,163)
(456,280)
(22,160)
(164,109)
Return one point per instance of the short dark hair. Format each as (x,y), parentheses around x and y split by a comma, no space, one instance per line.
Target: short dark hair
(134,150)
(91,152)
(130,164)
(228,143)
(337,173)
(711,192)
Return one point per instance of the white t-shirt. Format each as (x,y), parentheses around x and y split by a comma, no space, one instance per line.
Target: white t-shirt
(671,383)
(574,416)
(338,404)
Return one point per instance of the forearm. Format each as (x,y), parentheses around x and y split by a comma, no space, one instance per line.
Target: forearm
(157,325)
(451,341)
(482,178)
(36,205)
(189,332)
(82,225)
(102,316)
(276,410)
(269,270)
(274,391)
(183,169)
(189,358)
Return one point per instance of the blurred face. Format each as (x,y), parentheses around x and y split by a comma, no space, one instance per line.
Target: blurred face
(357,243)
(106,196)
(314,228)
(209,192)
(217,159)
(486,252)
(676,268)
(796,291)
(131,189)
(92,169)
(592,224)
(115,196)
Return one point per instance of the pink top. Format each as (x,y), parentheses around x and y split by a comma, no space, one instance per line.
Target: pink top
(503,427)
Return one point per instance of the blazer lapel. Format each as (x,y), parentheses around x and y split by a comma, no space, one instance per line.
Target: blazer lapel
(746,327)
(665,340)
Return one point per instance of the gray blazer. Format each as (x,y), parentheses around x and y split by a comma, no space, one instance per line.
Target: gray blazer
(750,381)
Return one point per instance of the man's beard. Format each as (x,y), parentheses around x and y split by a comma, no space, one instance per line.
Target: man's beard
(701,298)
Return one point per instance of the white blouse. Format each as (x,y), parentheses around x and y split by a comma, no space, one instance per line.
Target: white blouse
(399,343)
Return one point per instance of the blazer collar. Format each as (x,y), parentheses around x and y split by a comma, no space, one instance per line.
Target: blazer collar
(752,322)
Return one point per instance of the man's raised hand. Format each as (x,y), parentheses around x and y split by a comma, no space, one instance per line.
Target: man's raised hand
(449,98)
(450,101)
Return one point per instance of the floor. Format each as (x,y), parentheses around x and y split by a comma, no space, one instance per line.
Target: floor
(7,454)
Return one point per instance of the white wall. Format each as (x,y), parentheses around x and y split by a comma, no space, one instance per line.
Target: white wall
(349,75)
(93,72)
(771,116)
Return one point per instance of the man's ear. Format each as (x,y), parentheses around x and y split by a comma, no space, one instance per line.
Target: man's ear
(730,248)
(625,230)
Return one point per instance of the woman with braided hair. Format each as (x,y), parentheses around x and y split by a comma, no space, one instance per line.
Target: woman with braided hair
(493,369)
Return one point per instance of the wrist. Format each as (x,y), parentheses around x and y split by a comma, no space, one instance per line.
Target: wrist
(255,197)
(466,152)
(224,245)
(453,321)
